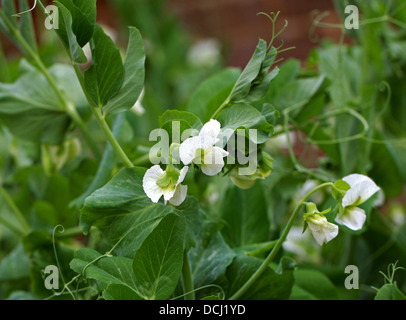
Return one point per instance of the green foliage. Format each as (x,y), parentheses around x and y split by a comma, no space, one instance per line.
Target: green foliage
(343,107)
(35,112)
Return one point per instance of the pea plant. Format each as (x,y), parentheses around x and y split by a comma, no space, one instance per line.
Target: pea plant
(261,183)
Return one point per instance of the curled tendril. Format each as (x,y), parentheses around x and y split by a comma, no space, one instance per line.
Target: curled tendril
(316,17)
(392,268)
(273,17)
(26,11)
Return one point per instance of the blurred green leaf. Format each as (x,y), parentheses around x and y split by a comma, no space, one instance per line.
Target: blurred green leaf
(272,285)
(33,112)
(15,265)
(312,285)
(212,92)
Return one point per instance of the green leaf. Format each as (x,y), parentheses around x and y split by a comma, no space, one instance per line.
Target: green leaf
(244,213)
(245,116)
(190,120)
(288,71)
(119,292)
(312,285)
(31,109)
(390,291)
(21,295)
(297,93)
(106,165)
(105,77)
(68,36)
(106,270)
(15,265)
(250,73)
(385,169)
(259,91)
(212,92)
(158,262)
(270,113)
(82,16)
(209,259)
(123,212)
(134,71)
(186,121)
(272,285)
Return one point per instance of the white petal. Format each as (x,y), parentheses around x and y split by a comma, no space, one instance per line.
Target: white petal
(182,175)
(322,230)
(179,196)
(168,192)
(330,231)
(353,218)
(355,178)
(317,232)
(359,193)
(188,148)
(153,191)
(213,161)
(211,130)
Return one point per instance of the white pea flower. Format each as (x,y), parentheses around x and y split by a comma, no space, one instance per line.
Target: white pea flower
(205,53)
(322,230)
(157,183)
(201,149)
(361,189)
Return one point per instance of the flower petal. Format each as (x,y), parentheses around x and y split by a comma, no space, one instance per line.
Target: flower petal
(213,161)
(182,175)
(179,196)
(152,190)
(353,218)
(211,130)
(359,192)
(355,178)
(188,148)
(322,230)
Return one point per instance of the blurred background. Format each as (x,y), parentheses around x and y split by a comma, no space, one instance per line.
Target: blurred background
(233,22)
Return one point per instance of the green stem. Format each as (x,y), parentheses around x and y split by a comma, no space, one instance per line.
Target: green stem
(187,279)
(20,217)
(70,109)
(114,143)
(278,245)
(102,121)
(223,105)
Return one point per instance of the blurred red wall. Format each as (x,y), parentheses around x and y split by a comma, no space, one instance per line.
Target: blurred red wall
(236,23)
